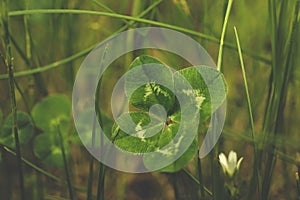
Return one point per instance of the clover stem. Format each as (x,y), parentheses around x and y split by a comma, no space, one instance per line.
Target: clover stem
(91,165)
(200,177)
(68,177)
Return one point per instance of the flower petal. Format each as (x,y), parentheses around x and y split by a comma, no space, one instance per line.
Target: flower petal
(231,163)
(239,163)
(223,162)
(232,157)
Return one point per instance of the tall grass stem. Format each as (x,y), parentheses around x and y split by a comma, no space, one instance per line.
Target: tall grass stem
(256,168)
(68,177)
(220,56)
(9,65)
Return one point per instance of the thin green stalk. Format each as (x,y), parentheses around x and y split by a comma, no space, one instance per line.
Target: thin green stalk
(50,66)
(137,19)
(280,155)
(100,192)
(137,7)
(220,56)
(24,100)
(33,166)
(9,64)
(90,180)
(27,34)
(19,50)
(68,23)
(42,171)
(68,177)
(200,177)
(113,15)
(70,58)
(217,186)
(283,35)
(39,82)
(205,19)
(106,8)
(256,168)
(101,179)
(298,182)
(91,170)
(174,185)
(197,181)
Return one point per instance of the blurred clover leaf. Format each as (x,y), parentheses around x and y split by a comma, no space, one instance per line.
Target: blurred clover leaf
(52,111)
(52,115)
(25,129)
(47,148)
(154,130)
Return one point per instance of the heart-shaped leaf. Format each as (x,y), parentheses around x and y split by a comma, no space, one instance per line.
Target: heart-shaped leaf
(25,129)
(170,131)
(206,82)
(52,111)
(52,115)
(139,139)
(181,161)
(47,148)
(150,93)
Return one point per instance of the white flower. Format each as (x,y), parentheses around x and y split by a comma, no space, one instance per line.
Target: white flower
(230,165)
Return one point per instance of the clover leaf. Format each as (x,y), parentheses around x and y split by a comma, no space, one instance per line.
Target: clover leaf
(51,111)
(142,131)
(151,93)
(25,129)
(52,115)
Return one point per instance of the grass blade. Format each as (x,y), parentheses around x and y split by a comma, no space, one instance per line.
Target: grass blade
(137,19)
(91,170)
(283,35)
(9,65)
(200,177)
(68,177)
(74,56)
(217,183)
(220,56)
(256,168)
(196,181)
(42,171)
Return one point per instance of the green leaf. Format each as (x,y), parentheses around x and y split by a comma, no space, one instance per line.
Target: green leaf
(150,93)
(152,130)
(182,160)
(166,154)
(206,82)
(144,59)
(25,129)
(139,139)
(52,111)
(161,135)
(48,149)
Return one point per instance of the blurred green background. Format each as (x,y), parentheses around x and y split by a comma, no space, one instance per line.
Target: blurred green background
(44,40)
